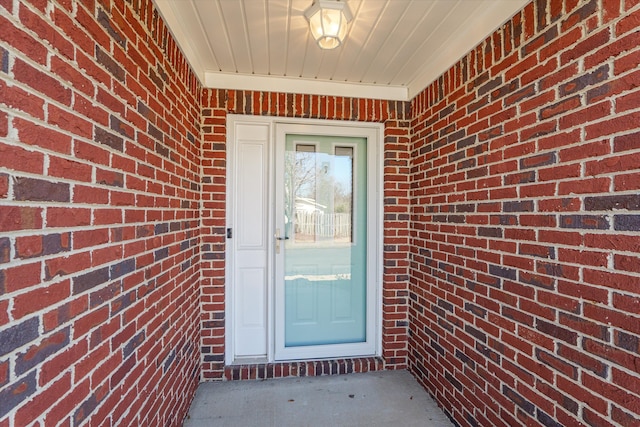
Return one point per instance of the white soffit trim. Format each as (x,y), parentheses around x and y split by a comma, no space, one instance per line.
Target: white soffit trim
(304,86)
(165,7)
(478,28)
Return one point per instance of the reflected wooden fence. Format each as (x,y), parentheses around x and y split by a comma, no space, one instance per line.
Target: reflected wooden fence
(320,224)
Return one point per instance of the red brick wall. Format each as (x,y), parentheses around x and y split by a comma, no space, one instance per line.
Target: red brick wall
(525,273)
(395,116)
(99,216)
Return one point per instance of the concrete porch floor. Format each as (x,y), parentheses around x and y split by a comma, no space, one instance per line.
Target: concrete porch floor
(383,398)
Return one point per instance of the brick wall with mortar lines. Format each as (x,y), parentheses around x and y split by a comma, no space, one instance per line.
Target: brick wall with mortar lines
(99,212)
(525,273)
(524,222)
(395,116)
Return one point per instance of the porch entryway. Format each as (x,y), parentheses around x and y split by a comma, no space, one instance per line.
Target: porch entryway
(382,398)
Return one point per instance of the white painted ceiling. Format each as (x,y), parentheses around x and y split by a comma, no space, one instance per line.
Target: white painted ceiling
(393,50)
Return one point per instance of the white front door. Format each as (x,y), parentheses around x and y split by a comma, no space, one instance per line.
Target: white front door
(248,240)
(304,256)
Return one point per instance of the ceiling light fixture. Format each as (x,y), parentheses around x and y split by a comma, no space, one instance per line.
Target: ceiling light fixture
(328,20)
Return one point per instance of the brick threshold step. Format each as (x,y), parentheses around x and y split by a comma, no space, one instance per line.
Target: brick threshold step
(302,368)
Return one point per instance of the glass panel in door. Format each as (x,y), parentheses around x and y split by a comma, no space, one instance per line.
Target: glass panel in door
(325,252)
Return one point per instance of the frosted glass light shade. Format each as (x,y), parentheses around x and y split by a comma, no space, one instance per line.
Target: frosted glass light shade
(328,20)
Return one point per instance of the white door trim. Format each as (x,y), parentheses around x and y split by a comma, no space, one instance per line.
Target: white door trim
(374,132)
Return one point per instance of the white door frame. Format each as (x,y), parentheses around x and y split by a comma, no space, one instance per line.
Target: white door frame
(374,132)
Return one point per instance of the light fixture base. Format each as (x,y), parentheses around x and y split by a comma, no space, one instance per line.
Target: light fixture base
(328,21)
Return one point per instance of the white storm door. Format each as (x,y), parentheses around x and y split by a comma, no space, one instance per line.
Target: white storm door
(325,242)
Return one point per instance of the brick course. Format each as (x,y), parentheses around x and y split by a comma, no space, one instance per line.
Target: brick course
(90,316)
(556,272)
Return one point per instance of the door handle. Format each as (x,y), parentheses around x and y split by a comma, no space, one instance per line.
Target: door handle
(279,239)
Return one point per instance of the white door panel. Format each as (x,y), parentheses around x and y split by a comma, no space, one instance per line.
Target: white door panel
(251,313)
(250,241)
(252,194)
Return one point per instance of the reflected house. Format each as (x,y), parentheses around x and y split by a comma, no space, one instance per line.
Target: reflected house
(307,205)
(313,220)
